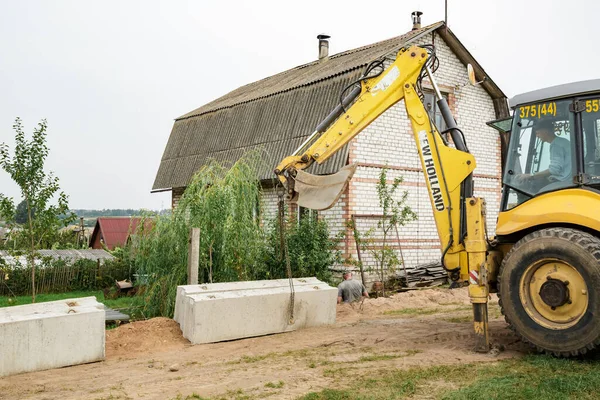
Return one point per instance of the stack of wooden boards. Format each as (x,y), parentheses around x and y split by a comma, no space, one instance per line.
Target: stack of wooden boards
(427,274)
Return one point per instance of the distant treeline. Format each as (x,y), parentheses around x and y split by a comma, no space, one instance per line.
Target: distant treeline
(115,212)
(91,215)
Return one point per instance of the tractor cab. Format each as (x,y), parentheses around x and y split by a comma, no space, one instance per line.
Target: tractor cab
(554,142)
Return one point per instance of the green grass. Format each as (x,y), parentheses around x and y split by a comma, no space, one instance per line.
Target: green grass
(460,320)
(331,394)
(275,385)
(129,305)
(253,359)
(452,303)
(413,311)
(192,396)
(301,353)
(533,377)
(238,394)
(380,357)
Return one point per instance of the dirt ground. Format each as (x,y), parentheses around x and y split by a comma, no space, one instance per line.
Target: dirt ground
(151,360)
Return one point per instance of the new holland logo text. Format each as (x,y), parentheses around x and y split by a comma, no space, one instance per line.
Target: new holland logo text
(430,171)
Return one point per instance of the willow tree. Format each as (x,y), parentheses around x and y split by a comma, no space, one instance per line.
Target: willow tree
(224,202)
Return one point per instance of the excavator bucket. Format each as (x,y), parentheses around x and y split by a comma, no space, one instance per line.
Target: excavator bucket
(320,192)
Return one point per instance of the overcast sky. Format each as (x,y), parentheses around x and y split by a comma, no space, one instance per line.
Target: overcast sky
(111,76)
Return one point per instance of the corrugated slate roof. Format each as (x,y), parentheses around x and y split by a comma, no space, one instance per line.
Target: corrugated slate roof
(275,114)
(311,73)
(67,255)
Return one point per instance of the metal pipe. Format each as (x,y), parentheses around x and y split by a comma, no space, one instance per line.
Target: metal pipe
(332,116)
(436,89)
(299,149)
(447,114)
(339,109)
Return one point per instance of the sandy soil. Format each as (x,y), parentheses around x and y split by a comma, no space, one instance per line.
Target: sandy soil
(151,360)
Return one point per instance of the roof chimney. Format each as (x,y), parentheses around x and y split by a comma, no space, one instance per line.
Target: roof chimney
(323,46)
(416,17)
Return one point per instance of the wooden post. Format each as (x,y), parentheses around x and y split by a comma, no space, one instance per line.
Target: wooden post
(356,238)
(193,256)
(81,236)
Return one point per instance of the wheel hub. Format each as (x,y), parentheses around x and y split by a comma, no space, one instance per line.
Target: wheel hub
(554,292)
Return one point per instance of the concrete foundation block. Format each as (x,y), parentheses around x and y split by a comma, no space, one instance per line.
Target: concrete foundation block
(184,291)
(244,312)
(51,335)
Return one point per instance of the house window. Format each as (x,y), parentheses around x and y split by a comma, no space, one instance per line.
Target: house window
(432,108)
(304,213)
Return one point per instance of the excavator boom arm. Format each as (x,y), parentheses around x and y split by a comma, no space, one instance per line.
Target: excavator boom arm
(448,171)
(376,95)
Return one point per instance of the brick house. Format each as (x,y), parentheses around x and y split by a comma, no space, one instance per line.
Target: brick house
(281,111)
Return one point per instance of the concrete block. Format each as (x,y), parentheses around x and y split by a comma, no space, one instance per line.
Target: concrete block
(51,335)
(186,290)
(247,312)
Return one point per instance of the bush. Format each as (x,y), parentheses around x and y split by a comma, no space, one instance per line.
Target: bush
(311,251)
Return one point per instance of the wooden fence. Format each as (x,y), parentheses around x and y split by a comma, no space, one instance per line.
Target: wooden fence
(60,277)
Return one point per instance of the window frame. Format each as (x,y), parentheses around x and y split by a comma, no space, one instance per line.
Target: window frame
(434,111)
(303,212)
(581,162)
(576,153)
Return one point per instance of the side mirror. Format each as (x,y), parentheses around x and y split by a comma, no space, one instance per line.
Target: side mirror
(471,73)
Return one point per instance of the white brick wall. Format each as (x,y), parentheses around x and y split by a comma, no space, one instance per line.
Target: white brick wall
(334,216)
(269,204)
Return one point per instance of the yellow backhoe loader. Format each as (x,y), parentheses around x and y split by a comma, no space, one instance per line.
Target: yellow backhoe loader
(544,261)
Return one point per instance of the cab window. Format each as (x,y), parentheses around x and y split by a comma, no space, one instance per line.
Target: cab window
(591,140)
(541,155)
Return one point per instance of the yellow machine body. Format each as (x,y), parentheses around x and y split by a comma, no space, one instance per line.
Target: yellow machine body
(561,208)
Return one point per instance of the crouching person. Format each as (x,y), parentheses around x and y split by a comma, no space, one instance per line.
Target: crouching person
(350,290)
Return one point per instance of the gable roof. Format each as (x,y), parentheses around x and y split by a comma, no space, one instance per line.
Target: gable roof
(279,112)
(115,230)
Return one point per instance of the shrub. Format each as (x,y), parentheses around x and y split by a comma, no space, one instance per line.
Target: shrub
(311,250)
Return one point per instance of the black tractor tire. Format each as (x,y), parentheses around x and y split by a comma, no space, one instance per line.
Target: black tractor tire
(581,251)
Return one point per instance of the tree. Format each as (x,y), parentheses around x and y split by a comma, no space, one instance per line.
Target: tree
(38,189)
(394,213)
(21,213)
